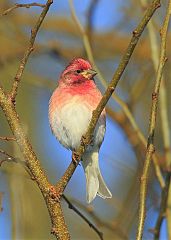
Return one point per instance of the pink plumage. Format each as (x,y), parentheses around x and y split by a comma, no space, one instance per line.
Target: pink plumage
(70,112)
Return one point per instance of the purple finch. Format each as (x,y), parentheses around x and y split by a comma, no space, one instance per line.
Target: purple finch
(70,111)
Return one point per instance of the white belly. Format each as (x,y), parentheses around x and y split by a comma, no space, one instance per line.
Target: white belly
(71,122)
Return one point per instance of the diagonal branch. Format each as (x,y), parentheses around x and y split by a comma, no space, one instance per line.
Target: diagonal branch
(152,124)
(30,48)
(121,103)
(113,226)
(109,91)
(91,225)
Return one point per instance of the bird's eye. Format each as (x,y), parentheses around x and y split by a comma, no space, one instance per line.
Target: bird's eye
(79,71)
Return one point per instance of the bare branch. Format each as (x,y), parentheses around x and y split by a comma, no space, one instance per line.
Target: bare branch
(6,154)
(121,103)
(5,160)
(59,228)
(25,5)
(112,226)
(165,132)
(152,124)
(8,158)
(91,225)
(24,60)
(112,85)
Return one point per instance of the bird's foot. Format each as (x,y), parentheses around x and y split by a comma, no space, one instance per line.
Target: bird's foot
(75,158)
(84,141)
(54,194)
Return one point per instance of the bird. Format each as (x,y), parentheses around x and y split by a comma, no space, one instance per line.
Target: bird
(70,111)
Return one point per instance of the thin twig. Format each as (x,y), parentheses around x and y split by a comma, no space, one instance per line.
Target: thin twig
(121,103)
(152,123)
(8,158)
(111,87)
(8,138)
(91,225)
(5,160)
(25,5)
(6,154)
(113,226)
(163,94)
(27,53)
(165,130)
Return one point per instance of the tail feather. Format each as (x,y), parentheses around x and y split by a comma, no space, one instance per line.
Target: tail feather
(95,184)
(103,191)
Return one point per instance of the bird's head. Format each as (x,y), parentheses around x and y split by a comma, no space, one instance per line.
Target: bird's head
(78,71)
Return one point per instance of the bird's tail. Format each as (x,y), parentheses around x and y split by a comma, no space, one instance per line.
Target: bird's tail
(95,184)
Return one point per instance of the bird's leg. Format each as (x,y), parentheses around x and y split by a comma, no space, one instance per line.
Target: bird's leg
(54,193)
(75,157)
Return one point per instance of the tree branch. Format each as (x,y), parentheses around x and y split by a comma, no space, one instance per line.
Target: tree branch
(91,225)
(6,154)
(152,123)
(165,131)
(111,87)
(121,103)
(59,228)
(26,5)
(24,60)
(8,157)
(113,226)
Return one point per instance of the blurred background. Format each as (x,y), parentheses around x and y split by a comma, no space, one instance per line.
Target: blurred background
(108,25)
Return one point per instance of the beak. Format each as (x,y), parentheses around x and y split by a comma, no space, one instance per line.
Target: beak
(90,73)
